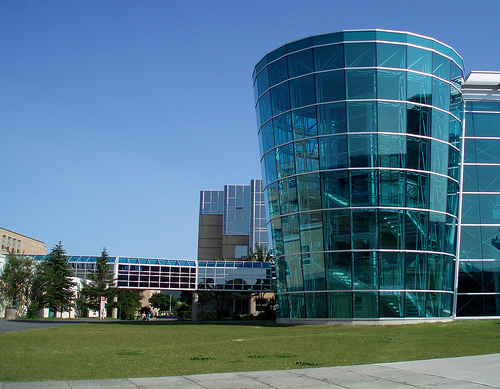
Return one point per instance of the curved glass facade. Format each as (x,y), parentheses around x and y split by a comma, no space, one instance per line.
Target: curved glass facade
(359,135)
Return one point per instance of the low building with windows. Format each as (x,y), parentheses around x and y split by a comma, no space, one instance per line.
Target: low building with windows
(20,244)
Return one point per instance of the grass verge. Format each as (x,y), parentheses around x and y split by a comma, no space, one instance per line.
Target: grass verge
(98,351)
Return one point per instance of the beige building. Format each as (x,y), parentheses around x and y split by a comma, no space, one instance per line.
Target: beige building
(20,244)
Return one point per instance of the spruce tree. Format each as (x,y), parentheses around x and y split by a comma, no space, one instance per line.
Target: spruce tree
(100,284)
(57,283)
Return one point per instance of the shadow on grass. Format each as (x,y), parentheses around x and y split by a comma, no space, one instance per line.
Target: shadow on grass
(259,323)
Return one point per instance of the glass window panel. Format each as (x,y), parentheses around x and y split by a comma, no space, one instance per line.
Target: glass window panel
(391,84)
(306,156)
(329,57)
(441,66)
(335,189)
(263,81)
(391,56)
(489,208)
(391,117)
(291,237)
(417,190)
(311,234)
(365,305)
(267,137)
(417,230)
(416,271)
(300,63)
(337,228)
(456,73)
(391,229)
(437,231)
(273,200)
(332,119)
(490,242)
(314,271)
(453,163)
(363,150)
(414,304)
(392,270)
(309,191)
(302,91)
(363,187)
(440,125)
(419,59)
(287,189)
(456,103)
(391,151)
(293,273)
(333,152)
(418,120)
(264,111)
(441,94)
(392,188)
(470,209)
(278,71)
(304,123)
(470,243)
(417,153)
(360,84)
(491,277)
(439,157)
(435,272)
(316,305)
(484,124)
(391,304)
(285,164)
(364,229)
(438,193)
(470,305)
(280,98)
(482,150)
(365,270)
(330,86)
(338,271)
(488,178)
(277,237)
(270,167)
(359,54)
(419,88)
(340,305)
(297,305)
(282,129)
(362,116)
(483,106)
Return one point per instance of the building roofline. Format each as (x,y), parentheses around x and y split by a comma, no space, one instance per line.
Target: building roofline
(17,233)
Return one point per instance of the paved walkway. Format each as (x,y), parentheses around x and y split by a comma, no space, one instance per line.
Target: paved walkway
(475,372)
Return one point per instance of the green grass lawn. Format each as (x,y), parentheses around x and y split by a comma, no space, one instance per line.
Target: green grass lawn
(113,350)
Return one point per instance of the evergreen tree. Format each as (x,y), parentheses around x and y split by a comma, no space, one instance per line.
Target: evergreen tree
(128,303)
(261,254)
(56,282)
(100,284)
(16,281)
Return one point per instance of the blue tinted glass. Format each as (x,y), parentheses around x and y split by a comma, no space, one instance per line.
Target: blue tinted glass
(360,84)
(363,150)
(391,151)
(304,123)
(335,189)
(263,81)
(391,56)
(483,106)
(302,91)
(484,124)
(362,116)
(440,125)
(282,129)
(364,229)
(267,137)
(288,195)
(419,88)
(329,57)
(300,63)
(363,184)
(270,167)
(391,117)
(419,59)
(392,188)
(280,98)
(439,157)
(418,120)
(359,54)
(333,152)
(285,161)
(417,153)
(441,66)
(330,86)
(441,94)
(331,119)
(306,156)
(391,84)
(337,229)
(264,111)
(278,71)
(309,193)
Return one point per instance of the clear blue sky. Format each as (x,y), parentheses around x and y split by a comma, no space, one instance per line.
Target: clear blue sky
(115,114)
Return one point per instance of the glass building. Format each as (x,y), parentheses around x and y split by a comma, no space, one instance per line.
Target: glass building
(360,141)
(478,293)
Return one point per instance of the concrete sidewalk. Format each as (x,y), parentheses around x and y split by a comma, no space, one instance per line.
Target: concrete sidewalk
(481,371)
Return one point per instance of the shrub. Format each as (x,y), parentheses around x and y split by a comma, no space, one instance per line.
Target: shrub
(207,315)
